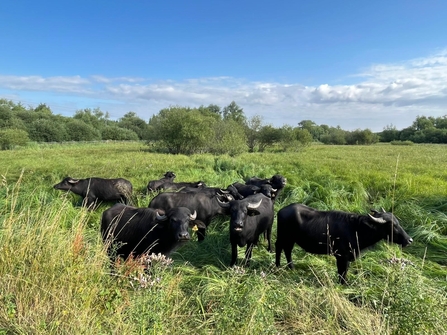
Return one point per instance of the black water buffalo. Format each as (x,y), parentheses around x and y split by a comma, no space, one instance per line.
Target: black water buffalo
(93,190)
(169,176)
(277,181)
(246,190)
(205,206)
(213,191)
(133,231)
(336,233)
(249,218)
(173,186)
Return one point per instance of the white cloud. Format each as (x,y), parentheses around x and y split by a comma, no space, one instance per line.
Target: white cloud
(385,94)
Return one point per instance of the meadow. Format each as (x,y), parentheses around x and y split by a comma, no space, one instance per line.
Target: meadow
(55,276)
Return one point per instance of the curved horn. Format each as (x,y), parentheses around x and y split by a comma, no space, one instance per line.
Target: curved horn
(255,205)
(383,210)
(224,191)
(378,220)
(274,189)
(193,216)
(223,204)
(160,217)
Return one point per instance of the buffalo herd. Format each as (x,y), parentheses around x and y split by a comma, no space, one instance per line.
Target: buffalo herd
(176,207)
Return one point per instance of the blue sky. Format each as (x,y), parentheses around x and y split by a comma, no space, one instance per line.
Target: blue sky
(356,64)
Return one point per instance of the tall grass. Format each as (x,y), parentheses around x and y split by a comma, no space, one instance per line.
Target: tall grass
(55,277)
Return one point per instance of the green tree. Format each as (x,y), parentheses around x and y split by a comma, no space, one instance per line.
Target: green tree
(95,118)
(80,131)
(48,130)
(13,137)
(334,136)
(234,112)
(268,136)
(254,125)
(229,138)
(116,133)
(359,136)
(132,122)
(389,133)
(181,130)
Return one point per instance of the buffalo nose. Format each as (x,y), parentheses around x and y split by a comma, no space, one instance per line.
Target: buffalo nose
(183,236)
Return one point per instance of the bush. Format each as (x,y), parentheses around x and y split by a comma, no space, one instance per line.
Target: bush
(13,137)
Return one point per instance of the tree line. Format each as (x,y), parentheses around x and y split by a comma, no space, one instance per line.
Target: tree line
(206,129)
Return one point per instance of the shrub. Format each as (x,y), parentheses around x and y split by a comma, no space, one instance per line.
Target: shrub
(12,137)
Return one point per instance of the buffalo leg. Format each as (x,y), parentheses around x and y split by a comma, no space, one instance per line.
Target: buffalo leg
(342,267)
(278,250)
(201,234)
(233,254)
(248,253)
(269,239)
(288,252)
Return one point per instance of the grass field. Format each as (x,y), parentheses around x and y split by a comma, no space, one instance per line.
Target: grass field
(55,277)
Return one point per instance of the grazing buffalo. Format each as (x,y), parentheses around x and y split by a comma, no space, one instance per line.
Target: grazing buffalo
(134,231)
(154,184)
(93,190)
(336,233)
(205,206)
(249,218)
(172,186)
(277,181)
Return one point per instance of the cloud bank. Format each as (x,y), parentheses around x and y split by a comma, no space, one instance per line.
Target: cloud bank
(384,94)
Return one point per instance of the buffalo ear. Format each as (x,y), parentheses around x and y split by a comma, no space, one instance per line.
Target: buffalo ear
(197,224)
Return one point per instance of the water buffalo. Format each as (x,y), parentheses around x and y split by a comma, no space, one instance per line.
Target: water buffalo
(172,186)
(133,231)
(169,176)
(336,233)
(205,206)
(93,190)
(213,191)
(246,190)
(249,218)
(277,181)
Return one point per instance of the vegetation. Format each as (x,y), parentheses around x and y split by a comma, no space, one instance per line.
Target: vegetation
(55,277)
(206,129)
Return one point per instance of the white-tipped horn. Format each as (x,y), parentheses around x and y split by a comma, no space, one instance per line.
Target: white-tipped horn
(383,210)
(160,217)
(274,189)
(222,204)
(378,220)
(255,205)
(193,216)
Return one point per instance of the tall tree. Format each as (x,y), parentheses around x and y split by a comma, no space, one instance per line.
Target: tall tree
(234,112)
(254,125)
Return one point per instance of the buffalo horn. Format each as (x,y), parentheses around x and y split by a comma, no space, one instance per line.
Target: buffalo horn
(254,206)
(378,220)
(161,217)
(193,216)
(222,204)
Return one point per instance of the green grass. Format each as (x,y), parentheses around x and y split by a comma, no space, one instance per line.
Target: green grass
(55,277)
